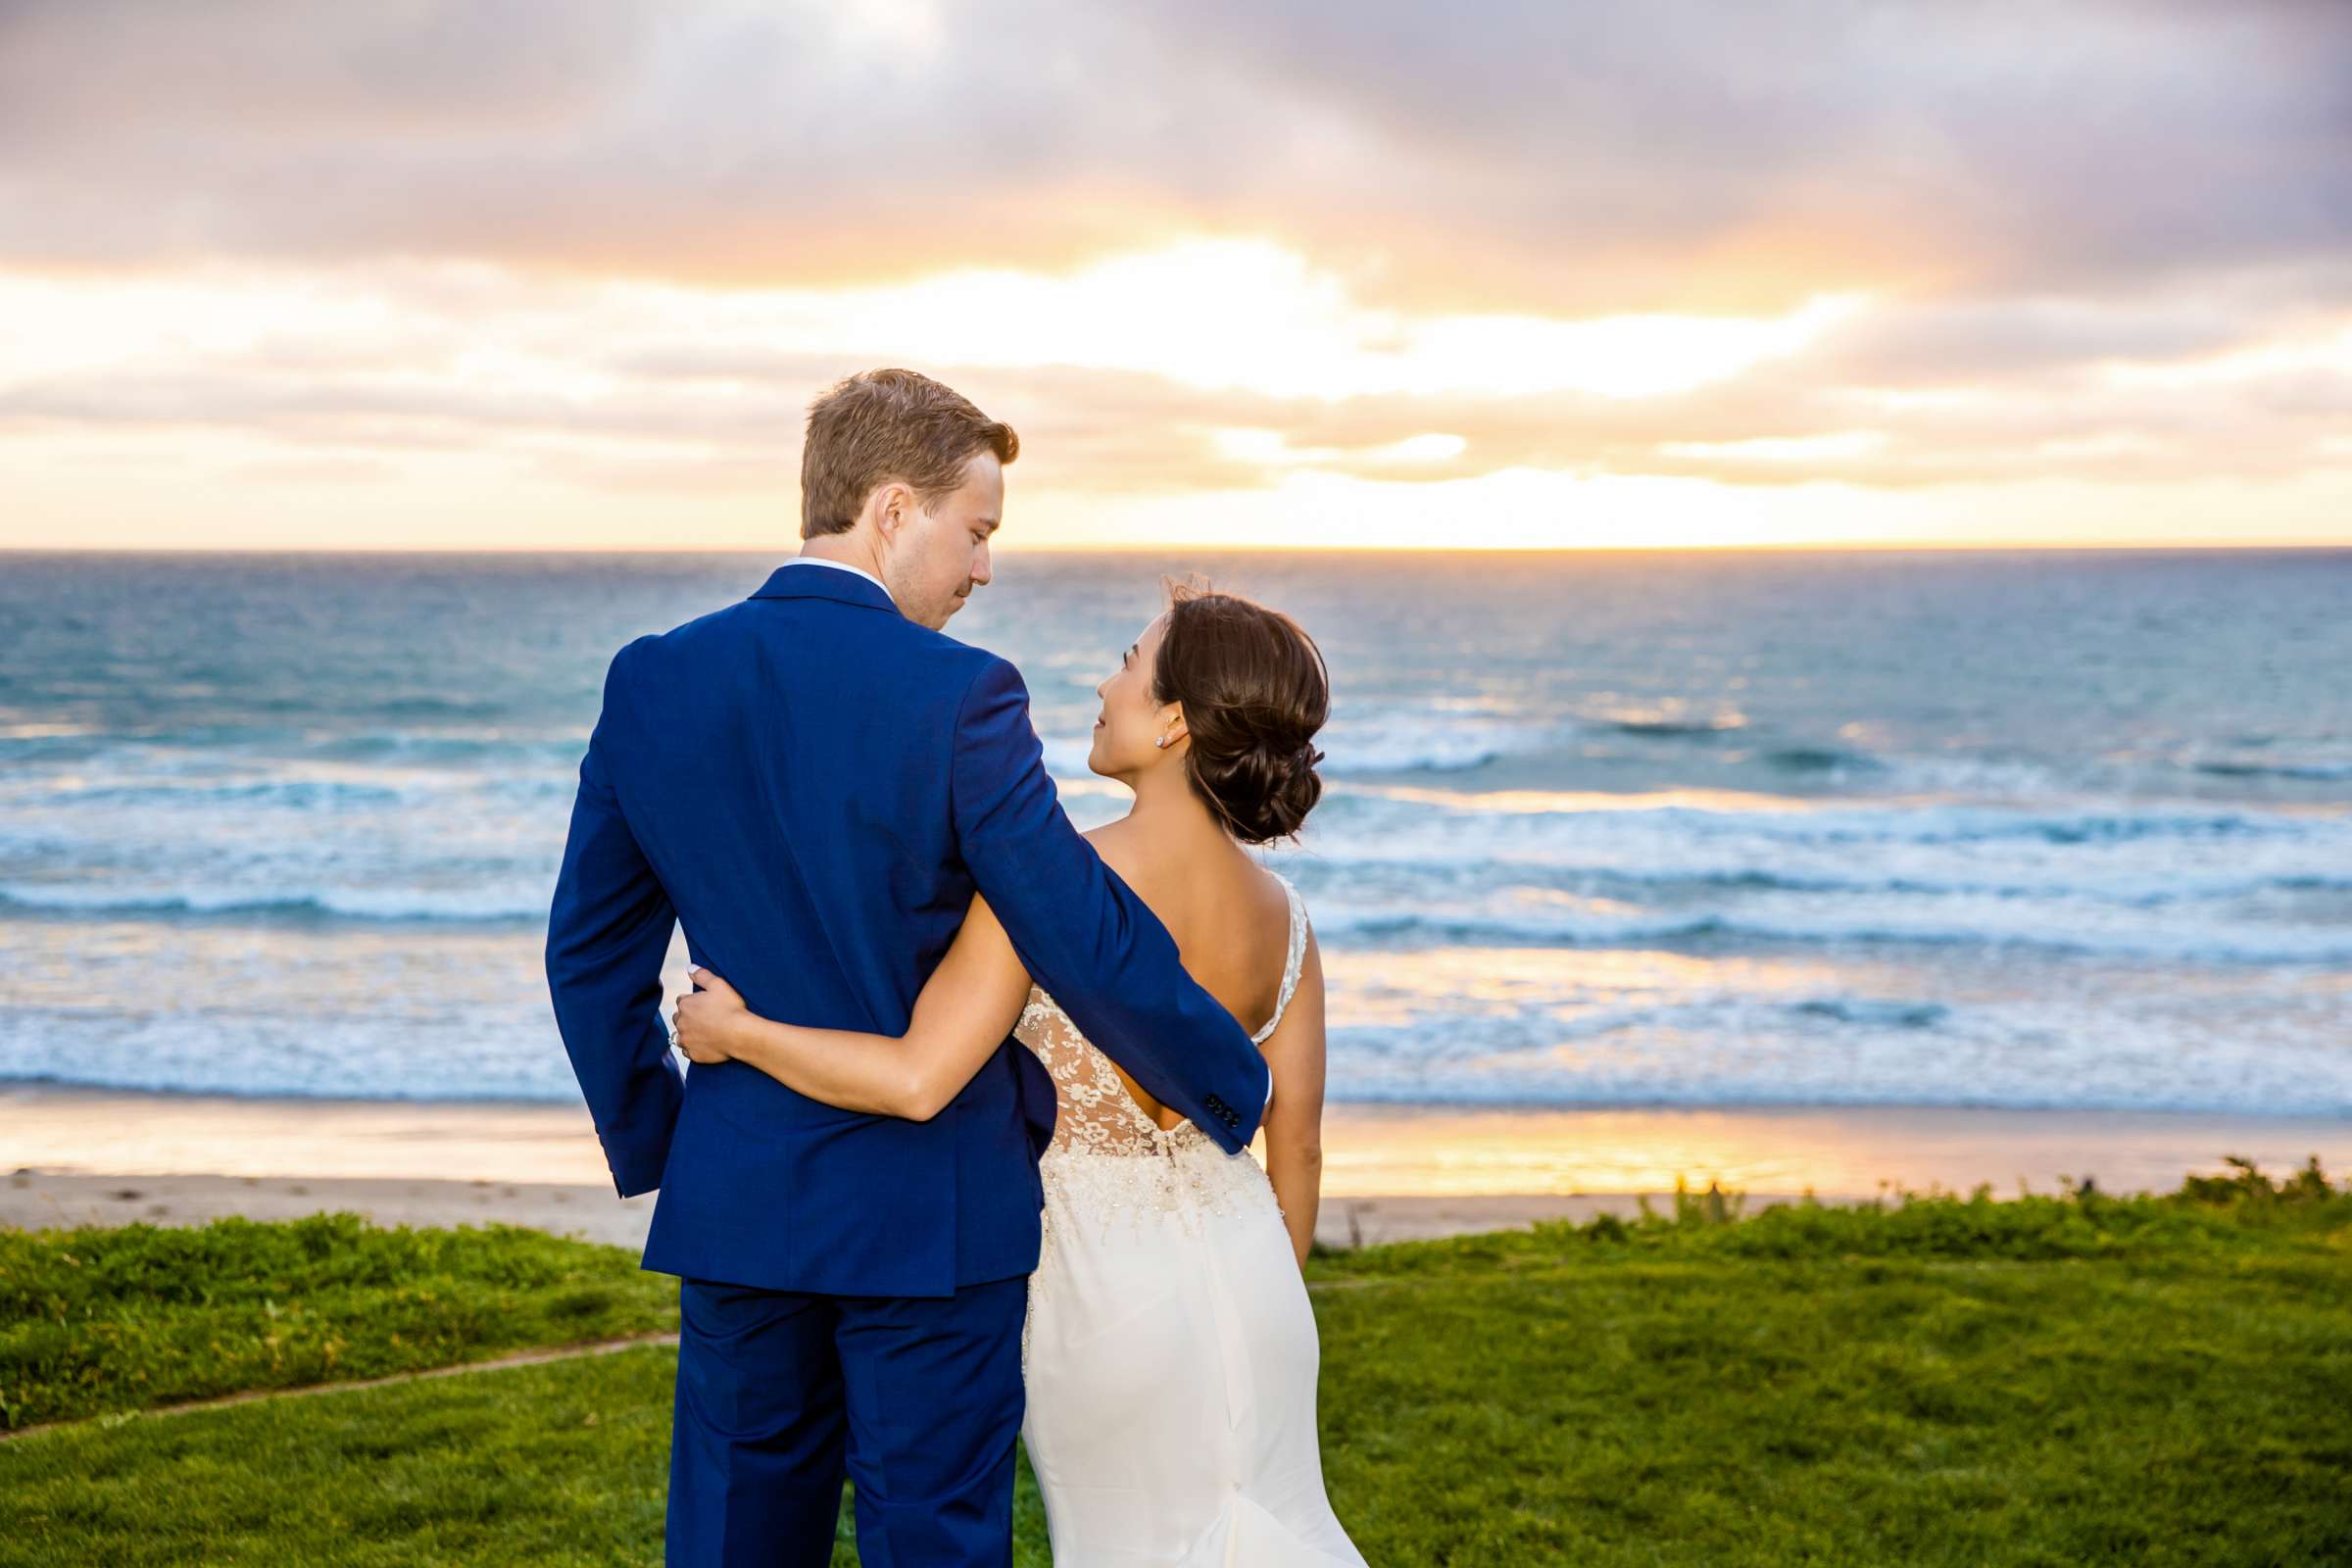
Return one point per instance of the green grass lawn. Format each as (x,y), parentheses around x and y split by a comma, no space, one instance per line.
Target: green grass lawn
(2048,1381)
(102,1319)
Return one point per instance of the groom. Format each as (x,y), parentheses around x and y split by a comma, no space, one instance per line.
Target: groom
(812,781)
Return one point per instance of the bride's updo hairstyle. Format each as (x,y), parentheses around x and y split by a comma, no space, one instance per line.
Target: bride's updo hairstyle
(1255,690)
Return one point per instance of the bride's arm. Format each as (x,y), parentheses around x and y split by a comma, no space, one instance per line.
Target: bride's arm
(1294,1119)
(966,1009)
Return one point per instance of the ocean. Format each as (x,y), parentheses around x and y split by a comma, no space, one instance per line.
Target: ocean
(1889,829)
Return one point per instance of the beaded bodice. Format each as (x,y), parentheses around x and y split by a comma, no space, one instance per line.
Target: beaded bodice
(1107,1157)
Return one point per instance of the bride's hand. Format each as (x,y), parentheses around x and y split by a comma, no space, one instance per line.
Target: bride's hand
(708,1020)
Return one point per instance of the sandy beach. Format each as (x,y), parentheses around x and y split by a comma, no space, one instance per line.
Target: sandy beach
(98,1157)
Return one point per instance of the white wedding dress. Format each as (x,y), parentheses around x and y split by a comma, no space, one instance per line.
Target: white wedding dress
(1169,1352)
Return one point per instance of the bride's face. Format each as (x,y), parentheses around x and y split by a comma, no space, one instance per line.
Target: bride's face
(1131,721)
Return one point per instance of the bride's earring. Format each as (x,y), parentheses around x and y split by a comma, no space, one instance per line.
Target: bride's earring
(1161,742)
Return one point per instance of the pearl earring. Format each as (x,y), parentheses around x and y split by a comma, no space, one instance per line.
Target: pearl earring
(1161,742)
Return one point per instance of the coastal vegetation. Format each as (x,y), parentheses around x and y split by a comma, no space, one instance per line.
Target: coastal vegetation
(1936,1377)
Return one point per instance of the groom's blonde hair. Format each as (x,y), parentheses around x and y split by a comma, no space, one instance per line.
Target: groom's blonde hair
(880,425)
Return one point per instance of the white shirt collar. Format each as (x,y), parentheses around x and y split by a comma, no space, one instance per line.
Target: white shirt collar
(842,566)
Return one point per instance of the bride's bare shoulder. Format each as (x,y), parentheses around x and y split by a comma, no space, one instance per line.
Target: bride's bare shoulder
(1271,895)
(1117,843)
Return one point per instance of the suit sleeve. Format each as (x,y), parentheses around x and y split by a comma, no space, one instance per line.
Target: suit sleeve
(606,934)
(1081,932)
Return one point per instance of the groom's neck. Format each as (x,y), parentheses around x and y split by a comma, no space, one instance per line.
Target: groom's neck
(847,549)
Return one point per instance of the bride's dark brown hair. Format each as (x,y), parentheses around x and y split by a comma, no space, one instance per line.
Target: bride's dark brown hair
(1255,690)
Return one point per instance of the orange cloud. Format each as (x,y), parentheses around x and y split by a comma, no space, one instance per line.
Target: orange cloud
(1246,256)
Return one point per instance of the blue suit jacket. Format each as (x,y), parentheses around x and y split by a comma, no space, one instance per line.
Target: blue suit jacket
(813,785)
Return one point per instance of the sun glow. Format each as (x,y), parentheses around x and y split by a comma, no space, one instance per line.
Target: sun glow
(1211,391)
(1241,314)
(1254,316)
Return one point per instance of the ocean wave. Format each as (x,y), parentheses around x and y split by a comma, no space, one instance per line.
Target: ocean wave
(2009,780)
(495,747)
(1957,777)
(1673,728)
(1420,742)
(428,706)
(324,789)
(293,793)
(1877,1013)
(1346,757)
(1428,756)
(1352,1082)
(47,731)
(1812,760)
(256,1082)
(2316,772)
(141,756)
(2150,889)
(1794,819)
(1363,754)
(396,907)
(2055,933)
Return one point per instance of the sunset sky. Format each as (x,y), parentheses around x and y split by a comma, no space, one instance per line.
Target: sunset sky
(565,276)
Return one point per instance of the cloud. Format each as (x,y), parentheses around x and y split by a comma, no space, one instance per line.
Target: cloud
(1563,160)
(638,386)
(1995,145)
(1220,248)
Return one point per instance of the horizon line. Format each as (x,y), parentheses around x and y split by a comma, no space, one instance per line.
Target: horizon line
(1800,546)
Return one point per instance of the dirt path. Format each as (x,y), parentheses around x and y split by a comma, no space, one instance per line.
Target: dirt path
(561,1352)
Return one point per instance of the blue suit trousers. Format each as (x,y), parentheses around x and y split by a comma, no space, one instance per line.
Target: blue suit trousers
(918,1398)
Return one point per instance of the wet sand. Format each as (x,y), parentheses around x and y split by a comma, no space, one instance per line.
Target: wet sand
(85,1157)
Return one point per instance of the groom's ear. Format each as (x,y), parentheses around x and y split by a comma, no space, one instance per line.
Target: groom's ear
(892,507)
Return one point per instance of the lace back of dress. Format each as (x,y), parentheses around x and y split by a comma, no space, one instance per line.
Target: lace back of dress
(1096,1114)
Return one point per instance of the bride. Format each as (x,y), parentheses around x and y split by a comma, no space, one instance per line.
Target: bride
(1169,1352)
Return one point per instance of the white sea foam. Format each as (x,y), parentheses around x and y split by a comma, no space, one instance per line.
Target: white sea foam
(1715,831)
